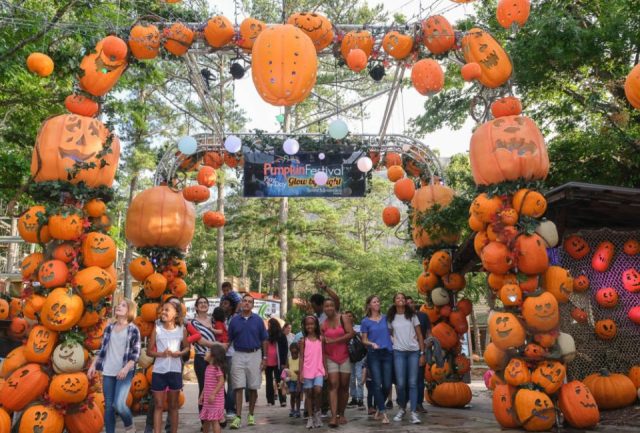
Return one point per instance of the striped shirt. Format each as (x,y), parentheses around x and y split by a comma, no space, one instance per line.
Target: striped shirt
(131,351)
(207,334)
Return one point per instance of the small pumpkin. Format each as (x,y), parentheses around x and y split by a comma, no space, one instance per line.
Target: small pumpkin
(546,339)
(397,45)
(149,311)
(567,346)
(531,254)
(548,232)
(40,344)
(30,264)
(144,41)
(249,30)
(632,87)
(439,374)
(631,280)
(631,247)
(316,26)
(81,105)
(196,193)
(634,315)
(495,357)
(53,273)
(506,330)
(218,31)
(32,225)
(557,281)
(511,295)
(576,247)
(357,39)
(395,173)
(454,281)
(579,315)
(438,34)
(14,360)
(606,329)
(207,176)
(4,309)
(391,216)
(549,376)
(534,410)
(445,335)
(611,390)
(155,285)
(530,203)
(427,281)
(68,357)
(68,388)
(140,268)
(440,263)
(496,281)
(513,13)
(541,313)
(40,64)
(634,375)
(213,219)
(98,249)
(528,283)
(458,320)
(427,77)
(607,297)
(404,189)
(581,283)
(496,258)
(517,372)
(178,39)
(486,208)
(507,106)
(471,71)
(578,405)
(62,310)
(603,256)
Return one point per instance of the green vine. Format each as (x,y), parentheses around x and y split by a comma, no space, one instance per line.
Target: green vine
(79,166)
(528,225)
(56,191)
(509,187)
(160,256)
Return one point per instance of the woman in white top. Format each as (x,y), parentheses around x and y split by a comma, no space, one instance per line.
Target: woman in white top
(167,344)
(408,354)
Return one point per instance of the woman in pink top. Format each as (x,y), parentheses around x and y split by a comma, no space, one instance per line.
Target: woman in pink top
(337,330)
(312,370)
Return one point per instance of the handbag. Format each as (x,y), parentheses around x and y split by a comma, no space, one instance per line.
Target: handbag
(355,346)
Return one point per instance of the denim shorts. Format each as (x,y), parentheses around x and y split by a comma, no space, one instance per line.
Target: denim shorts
(316,381)
(166,381)
(293,386)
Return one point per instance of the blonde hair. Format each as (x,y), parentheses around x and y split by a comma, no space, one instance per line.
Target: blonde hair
(132,309)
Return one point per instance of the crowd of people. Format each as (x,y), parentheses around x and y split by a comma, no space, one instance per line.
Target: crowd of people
(233,350)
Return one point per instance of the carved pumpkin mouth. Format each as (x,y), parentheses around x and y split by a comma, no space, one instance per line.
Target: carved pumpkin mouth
(520,146)
(589,405)
(564,290)
(505,334)
(55,320)
(30,227)
(39,349)
(75,155)
(491,60)
(544,316)
(38,429)
(539,414)
(99,250)
(47,278)
(512,298)
(12,384)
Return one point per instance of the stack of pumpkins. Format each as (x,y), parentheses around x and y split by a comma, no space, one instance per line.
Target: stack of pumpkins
(527,350)
(448,316)
(161,223)
(205,179)
(67,284)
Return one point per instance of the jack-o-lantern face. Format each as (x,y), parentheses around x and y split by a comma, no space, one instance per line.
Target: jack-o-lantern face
(41,419)
(178,39)
(506,149)
(503,409)
(557,281)
(579,315)
(144,41)
(535,410)
(141,268)
(437,34)
(64,252)
(440,263)
(316,26)
(98,249)
(541,313)
(61,310)
(155,284)
(250,28)
(361,40)
(68,357)
(397,45)
(531,254)
(53,273)
(94,283)
(68,139)
(549,375)
(607,297)
(486,208)
(98,74)
(40,344)
(631,247)
(32,225)
(139,386)
(219,31)
(30,264)
(603,256)
(578,405)
(506,330)
(511,295)
(606,329)
(478,46)
(581,283)
(517,373)
(23,386)
(631,280)
(69,388)
(576,247)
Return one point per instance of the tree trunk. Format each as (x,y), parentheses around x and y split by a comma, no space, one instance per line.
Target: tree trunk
(476,334)
(128,254)
(220,240)
(283,216)
(260,282)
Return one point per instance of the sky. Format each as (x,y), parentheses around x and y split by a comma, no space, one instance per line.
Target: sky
(408,105)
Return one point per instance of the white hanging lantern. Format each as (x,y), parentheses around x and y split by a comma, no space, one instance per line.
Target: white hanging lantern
(232,144)
(291,146)
(320,178)
(187,145)
(338,129)
(364,164)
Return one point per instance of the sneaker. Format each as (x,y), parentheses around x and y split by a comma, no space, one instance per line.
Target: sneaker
(251,420)
(230,415)
(399,415)
(389,404)
(415,419)
(317,420)
(310,423)
(360,404)
(352,403)
(421,409)
(297,414)
(235,424)
(291,414)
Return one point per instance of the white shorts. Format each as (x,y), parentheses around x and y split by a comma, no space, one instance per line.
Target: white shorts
(245,370)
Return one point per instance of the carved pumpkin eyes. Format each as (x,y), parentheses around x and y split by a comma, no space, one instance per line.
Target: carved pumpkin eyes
(483,47)
(41,416)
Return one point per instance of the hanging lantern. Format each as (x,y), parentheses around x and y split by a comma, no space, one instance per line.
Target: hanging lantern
(320,178)
(357,60)
(338,129)
(512,13)
(321,156)
(291,146)
(232,144)
(427,77)
(364,164)
(187,145)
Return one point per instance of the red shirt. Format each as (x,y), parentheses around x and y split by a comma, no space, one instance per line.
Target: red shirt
(224,337)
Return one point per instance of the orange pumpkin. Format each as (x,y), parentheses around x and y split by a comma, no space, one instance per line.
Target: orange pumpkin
(549,376)
(534,410)
(576,247)
(507,149)
(475,224)
(496,258)
(98,249)
(513,12)
(516,372)
(97,75)
(496,281)
(439,374)
(446,335)
(42,419)
(196,193)
(579,315)
(40,64)
(178,287)
(427,77)
(451,394)
(94,283)
(503,410)
(213,219)
(541,313)
(631,247)
(95,208)
(506,330)
(4,309)
(33,305)
(423,200)
(511,295)
(471,71)
(632,87)
(480,47)
(14,360)
(66,226)
(249,30)
(316,26)
(530,203)
(611,390)
(145,327)
(486,208)
(440,263)
(603,256)
(391,216)
(357,60)
(531,254)
(218,31)
(178,39)
(140,268)
(391,159)
(62,310)
(397,45)
(144,41)
(284,65)
(81,105)
(546,339)
(578,405)
(53,273)
(69,388)
(160,217)
(581,283)
(5,419)
(30,264)
(33,229)
(437,34)
(207,176)
(507,106)
(395,173)
(454,281)
(23,386)
(356,39)
(149,311)
(155,285)
(405,189)
(85,418)
(557,281)
(93,335)
(495,357)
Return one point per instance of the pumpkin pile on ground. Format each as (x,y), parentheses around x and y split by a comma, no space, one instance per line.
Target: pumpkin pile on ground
(446,365)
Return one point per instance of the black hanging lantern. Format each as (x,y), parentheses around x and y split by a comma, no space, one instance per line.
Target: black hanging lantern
(237,71)
(377,72)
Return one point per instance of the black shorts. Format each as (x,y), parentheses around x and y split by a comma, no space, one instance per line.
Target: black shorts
(166,381)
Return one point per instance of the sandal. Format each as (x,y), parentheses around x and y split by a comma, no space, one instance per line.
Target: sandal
(385,420)
(333,423)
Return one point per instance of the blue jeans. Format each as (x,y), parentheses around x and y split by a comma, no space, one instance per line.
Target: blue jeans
(380,363)
(115,400)
(229,395)
(406,365)
(356,387)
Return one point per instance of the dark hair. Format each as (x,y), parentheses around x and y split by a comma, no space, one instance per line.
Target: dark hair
(367,309)
(218,314)
(408,297)
(317,327)
(275,331)
(226,284)
(391,313)
(316,299)
(202,297)
(218,356)
(248,296)
(177,305)
(294,345)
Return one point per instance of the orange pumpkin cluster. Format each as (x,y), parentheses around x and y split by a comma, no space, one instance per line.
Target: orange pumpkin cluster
(448,316)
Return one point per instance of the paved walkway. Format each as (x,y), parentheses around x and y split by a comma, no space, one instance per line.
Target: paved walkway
(477,419)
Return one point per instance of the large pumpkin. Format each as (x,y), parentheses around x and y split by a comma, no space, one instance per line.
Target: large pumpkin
(41,419)
(284,65)
(356,39)
(611,390)
(62,310)
(23,386)
(535,410)
(507,149)
(218,31)
(84,418)
(68,388)
(94,283)
(423,200)
(160,217)
(437,34)
(506,330)
(632,87)
(478,46)
(98,249)
(68,357)
(541,313)
(15,359)
(578,406)
(314,25)
(503,410)
(40,344)
(144,41)
(66,139)
(451,394)
(97,74)
(557,281)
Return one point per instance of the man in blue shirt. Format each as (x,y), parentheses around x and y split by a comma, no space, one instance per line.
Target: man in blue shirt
(248,337)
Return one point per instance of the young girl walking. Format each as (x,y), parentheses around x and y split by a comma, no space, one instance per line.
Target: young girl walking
(312,371)
(293,365)
(168,343)
(212,397)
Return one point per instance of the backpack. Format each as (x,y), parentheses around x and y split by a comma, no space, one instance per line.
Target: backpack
(357,350)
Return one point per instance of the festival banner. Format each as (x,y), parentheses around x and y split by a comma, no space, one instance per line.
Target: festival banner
(268,175)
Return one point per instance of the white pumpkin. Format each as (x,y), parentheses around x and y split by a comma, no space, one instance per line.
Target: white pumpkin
(144,360)
(548,232)
(567,347)
(68,357)
(439,296)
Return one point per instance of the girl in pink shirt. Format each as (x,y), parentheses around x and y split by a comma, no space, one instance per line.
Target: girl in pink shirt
(312,370)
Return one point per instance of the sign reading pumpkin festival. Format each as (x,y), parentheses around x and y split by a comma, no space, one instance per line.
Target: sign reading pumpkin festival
(268,175)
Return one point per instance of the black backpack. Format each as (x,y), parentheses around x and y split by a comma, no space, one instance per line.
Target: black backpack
(357,349)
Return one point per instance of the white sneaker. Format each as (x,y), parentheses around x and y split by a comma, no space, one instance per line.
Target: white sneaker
(415,419)
(399,415)
(310,422)
(317,420)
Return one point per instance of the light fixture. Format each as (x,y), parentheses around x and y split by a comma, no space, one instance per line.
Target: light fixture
(232,144)
(187,145)
(338,129)
(364,164)
(320,178)
(291,146)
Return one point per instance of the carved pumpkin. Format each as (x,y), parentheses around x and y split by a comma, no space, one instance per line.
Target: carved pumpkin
(160,217)
(496,281)
(508,148)
(94,283)
(578,406)
(391,216)
(68,388)
(440,263)
(427,77)
(632,87)
(486,208)
(4,309)
(62,310)
(546,339)
(503,410)
(528,283)
(357,39)
(140,268)
(438,34)
(144,327)
(422,201)
(41,419)
(30,264)
(97,74)
(94,335)
(53,273)
(631,247)
(139,386)
(579,315)
(480,47)
(513,12)
(440,373)
(606,329)
(31,229)
(611,390)
(507,106)
(496,258)
(207,176)
(532,254)
(284,65)
(495,357)
(68,357)
(23,386)
(517,372)
(576,247)
(155,285)
(178,39)
(14,360)
(454,281)
(530,203)
(581,283)
(219,31)
(451,394)
(511,295)
(65,252)
(603,256)
(535,352)
(557,281)
(85,418)
(249,30)
(144,41)
(81,105)
(397,45)
(506,330)
(68,138)
(66,227)
(40,344)
(549,376)
(607,297)
(316,26)
(534,410)
(178,287)
(149,311)
(541,313)
(213,219)
(446,335)
(98,249)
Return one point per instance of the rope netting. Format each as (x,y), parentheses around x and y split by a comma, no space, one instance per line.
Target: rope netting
(623,351)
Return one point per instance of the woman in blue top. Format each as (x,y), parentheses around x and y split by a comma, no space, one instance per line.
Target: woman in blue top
(376,335)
